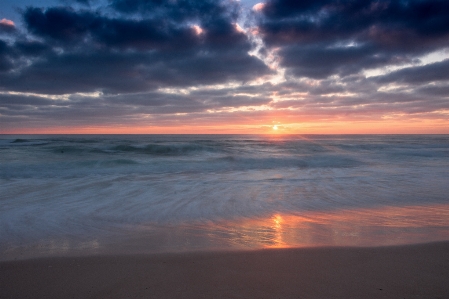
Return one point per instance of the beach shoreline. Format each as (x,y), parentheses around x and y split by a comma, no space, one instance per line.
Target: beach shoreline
(406,271)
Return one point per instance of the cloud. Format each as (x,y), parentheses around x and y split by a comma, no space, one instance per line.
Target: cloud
(323,38)
(6,62)
(106,109)
(68,27)
(7,26)
(438,71)
(441,91)
(89,50)
(321,61)
(165,62)
(258,6)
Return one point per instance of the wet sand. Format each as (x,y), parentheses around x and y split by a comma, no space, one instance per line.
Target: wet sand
(412,271)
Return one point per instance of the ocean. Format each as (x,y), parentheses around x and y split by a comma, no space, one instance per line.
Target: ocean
(87,194)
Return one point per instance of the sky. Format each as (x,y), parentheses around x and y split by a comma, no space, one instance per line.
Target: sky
(211,66)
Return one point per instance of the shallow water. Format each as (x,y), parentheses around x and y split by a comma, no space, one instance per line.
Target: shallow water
(197,192)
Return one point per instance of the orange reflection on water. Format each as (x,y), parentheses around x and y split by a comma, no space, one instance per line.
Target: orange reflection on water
(358,227)
(278,241)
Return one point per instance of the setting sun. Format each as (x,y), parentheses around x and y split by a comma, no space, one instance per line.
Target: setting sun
(275,127)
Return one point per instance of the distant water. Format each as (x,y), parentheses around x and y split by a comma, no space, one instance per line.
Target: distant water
(151,193)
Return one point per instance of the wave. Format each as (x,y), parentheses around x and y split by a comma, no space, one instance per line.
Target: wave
(319,161)
(67,149)
(20,140)
(85,155)
(165,149)
(25,142)
(104,163)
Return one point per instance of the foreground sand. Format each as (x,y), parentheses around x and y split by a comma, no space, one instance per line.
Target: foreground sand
(417,271)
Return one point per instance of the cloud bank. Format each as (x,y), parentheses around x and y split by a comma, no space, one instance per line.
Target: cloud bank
(215,63)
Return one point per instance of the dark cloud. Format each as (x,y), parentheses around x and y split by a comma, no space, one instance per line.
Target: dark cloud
(85,50)
(105,109)
(59,23)
(319,61)
(158,60)
(180,10)
(6,63)
(436,91)
(83,2)
(325,37)
(81,72)
(67,26)
(115,72)
(438,71)
(382,21)
(29,48)
(9,100)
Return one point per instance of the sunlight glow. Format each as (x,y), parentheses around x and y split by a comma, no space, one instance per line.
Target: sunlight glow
(239,28)
(259,6)
(278,233)
(240,109)
(198,30)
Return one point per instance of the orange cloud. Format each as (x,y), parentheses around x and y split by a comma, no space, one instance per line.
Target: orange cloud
(6,22)
(258,6)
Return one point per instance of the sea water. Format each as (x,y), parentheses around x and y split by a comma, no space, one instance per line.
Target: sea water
(153,193)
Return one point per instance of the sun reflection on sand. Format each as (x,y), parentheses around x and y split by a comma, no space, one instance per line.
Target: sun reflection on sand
(381,226)
(358,227)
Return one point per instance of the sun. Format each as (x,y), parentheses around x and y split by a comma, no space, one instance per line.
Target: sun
(275,127)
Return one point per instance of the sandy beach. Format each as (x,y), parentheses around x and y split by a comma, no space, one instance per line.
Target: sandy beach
(412,271)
